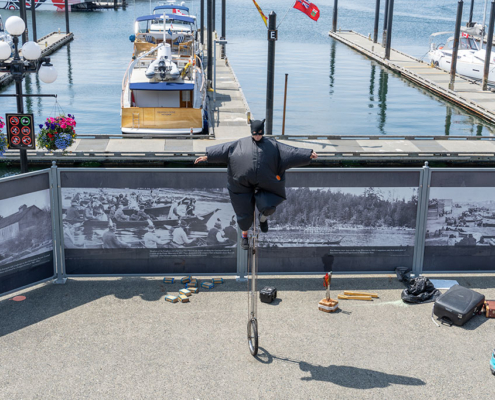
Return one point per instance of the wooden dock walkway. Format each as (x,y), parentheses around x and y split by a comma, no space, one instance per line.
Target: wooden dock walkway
(230,123)
(467,92)
(49,44)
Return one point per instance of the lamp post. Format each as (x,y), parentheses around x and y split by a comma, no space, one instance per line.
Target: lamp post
(18,67)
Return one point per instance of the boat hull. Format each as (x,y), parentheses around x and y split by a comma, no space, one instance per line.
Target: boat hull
(155,120)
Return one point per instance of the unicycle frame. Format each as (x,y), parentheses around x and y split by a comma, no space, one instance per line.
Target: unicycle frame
(252,280)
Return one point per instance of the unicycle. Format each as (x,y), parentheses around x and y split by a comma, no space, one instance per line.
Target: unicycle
(252,326)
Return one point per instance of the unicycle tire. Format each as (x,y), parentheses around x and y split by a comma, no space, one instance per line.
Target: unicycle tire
(252,334)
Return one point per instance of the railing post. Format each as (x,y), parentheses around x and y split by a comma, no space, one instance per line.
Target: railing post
(57,226)
(389,28)
(488,52)
(421,221)
(334,21)
(377,21)
(455,49)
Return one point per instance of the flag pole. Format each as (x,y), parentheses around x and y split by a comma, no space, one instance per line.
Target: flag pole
(292,6)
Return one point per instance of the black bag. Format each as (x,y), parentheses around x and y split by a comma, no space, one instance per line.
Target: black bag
(268,294)
(458,305)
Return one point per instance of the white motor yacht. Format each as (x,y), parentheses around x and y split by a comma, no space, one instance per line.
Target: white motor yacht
(5,37)
(164,87)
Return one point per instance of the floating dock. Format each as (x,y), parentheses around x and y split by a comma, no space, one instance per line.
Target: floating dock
(49,44)
(467,92)
(229,113)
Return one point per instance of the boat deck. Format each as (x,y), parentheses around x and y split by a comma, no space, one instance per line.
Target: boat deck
(230,123)
(49,44)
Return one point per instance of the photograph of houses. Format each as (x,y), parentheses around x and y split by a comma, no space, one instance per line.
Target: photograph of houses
(25,227)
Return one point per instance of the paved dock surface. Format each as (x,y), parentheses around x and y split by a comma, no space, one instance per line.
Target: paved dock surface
(49,44)
(118,339)
(467,92)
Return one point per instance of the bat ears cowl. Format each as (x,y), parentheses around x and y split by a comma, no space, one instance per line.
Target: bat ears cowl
(257,126)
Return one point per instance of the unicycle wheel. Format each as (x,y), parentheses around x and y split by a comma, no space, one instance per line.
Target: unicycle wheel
(252,333)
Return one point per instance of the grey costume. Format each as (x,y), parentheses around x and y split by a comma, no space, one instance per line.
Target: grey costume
(252,173)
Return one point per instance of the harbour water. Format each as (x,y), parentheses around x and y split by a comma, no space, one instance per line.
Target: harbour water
(332,89)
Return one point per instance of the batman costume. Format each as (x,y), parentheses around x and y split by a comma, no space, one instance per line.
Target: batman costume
(256,172)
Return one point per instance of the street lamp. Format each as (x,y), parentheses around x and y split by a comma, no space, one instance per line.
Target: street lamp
(18,67)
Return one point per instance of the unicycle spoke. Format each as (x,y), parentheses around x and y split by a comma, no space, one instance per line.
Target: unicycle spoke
(252,333)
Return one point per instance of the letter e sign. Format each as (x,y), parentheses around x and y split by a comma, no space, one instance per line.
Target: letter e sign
(272,35)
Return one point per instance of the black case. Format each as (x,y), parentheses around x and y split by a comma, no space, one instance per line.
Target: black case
(458,305)
(268,294)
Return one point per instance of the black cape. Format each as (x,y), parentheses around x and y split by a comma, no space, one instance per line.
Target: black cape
(256,173)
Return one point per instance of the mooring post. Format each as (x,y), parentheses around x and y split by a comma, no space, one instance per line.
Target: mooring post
(272,37)
(377,21)
(334,22)
(213,12)
(457,33)
(223,27)
(488,52)
(210,40)
(202,6)
(285,104)
(385,22)
(471,13)
(67,29)
(22,13)
(389,28)
(33,21)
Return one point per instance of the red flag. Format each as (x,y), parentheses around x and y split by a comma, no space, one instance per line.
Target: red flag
(464,34)
(308,8)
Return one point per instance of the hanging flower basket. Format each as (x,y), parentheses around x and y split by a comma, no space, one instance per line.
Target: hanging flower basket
(58,133)
(3,139)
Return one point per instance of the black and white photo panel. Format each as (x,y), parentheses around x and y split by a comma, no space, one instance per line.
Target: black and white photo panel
(460,230)
(26,246)
(148,230)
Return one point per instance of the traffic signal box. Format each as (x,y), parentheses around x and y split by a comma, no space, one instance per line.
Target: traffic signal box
(20,131)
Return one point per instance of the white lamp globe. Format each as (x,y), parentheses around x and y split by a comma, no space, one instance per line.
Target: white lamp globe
(5,51)
(31,51)
(15,26)
(47,73)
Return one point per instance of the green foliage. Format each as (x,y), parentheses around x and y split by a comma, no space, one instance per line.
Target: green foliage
(322,208)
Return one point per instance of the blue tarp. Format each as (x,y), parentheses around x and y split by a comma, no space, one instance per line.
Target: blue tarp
(171,7)
(164,86)
(170,17)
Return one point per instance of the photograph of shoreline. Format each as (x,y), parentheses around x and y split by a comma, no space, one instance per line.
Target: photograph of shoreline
(105,218)
(462,217)
(348,217)
(25,227)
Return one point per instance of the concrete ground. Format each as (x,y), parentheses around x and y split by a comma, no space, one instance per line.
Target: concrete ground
(118,339)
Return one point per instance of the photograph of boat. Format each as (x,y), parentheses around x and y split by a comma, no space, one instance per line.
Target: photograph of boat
(164,87)
(148,218)
(343,217)
(468,223)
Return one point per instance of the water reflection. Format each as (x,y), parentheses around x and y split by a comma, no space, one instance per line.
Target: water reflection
(372,85)
(332,65)
(448,120)
(382,100)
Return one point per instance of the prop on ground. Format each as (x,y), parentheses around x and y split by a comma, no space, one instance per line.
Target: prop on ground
(191,287)
(327,304)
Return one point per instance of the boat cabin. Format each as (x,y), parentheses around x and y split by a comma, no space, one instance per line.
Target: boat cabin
(465,43)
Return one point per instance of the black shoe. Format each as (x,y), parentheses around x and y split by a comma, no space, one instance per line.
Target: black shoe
(245,243)
(264,226)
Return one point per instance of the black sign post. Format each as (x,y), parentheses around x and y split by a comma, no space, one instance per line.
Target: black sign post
(20,131)
(272,38)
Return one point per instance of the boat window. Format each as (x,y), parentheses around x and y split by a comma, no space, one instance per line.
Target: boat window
(449,45)
(464,44)
(473,44)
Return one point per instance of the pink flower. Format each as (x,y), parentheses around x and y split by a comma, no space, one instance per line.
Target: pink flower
(63,126)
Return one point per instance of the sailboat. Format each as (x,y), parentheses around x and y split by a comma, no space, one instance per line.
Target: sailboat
(164,87)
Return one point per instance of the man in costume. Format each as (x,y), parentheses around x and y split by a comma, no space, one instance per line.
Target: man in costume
(256,174)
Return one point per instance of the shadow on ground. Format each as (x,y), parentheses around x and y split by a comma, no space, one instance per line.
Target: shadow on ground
(343,375)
